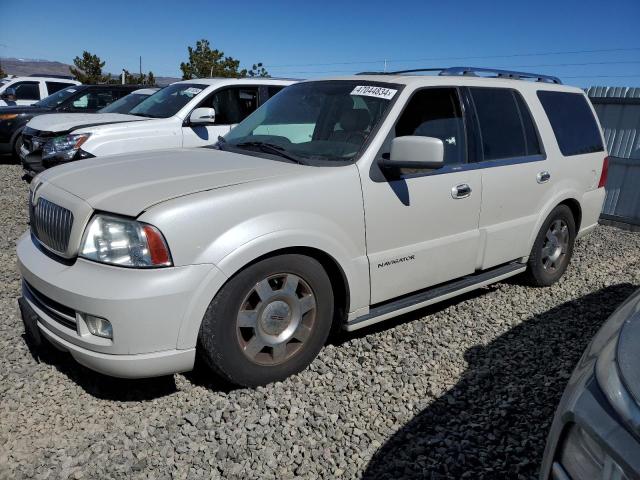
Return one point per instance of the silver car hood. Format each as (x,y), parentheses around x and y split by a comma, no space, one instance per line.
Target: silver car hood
(128,184)
(62,122)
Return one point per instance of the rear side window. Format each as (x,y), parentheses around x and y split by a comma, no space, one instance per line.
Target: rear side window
(505,124)
(53,87)
(572,121)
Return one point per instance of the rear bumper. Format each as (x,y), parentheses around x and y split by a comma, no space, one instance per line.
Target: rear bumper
(591,206)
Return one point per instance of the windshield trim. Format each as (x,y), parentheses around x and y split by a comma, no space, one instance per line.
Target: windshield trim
(310,160)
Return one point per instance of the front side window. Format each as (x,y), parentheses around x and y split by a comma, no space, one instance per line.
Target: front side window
(125,104)
(506,129)
(27,90)
(168,101)
(92,101)
(324,120)
(434,112)
(572,122)
(232,105)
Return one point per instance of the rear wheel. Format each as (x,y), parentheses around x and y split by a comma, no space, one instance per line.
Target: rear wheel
(269,321)
(553,248)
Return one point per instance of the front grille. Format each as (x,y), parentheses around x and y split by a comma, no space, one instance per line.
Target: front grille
(51,224)
(64,315)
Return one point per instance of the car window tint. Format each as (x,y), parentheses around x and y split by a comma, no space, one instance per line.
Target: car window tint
(93,100)
(501,129)
(232,105)
(435,112)
(53,87)
(572,121)
(531,137)
(272,90)
(27,90)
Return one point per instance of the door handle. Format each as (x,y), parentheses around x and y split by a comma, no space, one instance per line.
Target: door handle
(543,177)
(461,191)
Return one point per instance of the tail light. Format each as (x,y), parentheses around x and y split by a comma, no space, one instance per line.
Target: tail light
(605,173)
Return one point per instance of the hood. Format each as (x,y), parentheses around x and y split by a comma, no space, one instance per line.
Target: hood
(66,122)
(19,109)
(128,184)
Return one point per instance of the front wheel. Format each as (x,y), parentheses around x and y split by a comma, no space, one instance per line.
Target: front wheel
(553,248)
(17,145)
(269,321)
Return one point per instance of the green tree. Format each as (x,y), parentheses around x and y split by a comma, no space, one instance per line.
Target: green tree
(205,62)
(88,69)
(133,79)
(257,70)
(2,72)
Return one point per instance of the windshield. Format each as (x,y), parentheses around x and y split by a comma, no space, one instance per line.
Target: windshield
(125,104)
(168,101)
(324,120)
(57,98)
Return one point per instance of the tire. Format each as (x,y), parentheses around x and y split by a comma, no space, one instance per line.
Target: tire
(553,248)
(269,321)
(16,146)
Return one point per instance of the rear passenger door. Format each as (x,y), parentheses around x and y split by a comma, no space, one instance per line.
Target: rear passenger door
(516,175)
(232,105)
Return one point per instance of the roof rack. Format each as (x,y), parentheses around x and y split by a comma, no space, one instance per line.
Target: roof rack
(473,72)
(50,75)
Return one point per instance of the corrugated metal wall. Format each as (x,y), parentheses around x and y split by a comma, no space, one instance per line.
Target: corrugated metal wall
(618,109)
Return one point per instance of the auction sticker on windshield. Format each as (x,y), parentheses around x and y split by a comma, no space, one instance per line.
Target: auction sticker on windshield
(371,91)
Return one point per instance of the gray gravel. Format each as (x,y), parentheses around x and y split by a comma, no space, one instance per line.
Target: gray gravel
(462,390)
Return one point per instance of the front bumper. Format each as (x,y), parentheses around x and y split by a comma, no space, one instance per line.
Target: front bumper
(147,309)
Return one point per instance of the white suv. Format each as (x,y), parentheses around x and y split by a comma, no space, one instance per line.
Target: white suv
(340,202)
(31,89)
(190,113)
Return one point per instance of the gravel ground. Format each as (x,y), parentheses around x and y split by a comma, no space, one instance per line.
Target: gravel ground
(462,390)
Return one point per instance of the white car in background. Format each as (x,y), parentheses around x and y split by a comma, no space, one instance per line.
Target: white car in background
(31,89)
(190,113)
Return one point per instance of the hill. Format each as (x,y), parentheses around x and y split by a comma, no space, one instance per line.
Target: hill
(29,66)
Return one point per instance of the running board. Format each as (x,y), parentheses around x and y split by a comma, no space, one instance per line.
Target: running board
(433,295)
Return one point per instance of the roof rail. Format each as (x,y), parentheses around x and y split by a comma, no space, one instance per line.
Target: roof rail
(51,75)
(510,74)
(473,71)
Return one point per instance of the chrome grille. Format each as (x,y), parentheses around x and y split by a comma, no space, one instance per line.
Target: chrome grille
(51,224)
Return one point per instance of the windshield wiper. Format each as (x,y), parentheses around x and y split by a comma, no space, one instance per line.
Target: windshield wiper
(272,149)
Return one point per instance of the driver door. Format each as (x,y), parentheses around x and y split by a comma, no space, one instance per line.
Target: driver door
(232,105)
(422,226)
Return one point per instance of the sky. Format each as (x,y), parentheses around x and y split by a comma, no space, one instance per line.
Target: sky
(326,37)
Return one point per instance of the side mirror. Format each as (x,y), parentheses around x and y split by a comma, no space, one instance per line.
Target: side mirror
(425,153)
(9,92)
(202,116)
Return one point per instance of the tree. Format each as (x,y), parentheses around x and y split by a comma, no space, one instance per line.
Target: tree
(133,79)
(88,69)
(205,62)
(257,70)
(2,72)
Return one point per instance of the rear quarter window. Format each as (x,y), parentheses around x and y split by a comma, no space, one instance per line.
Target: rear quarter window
(572,121)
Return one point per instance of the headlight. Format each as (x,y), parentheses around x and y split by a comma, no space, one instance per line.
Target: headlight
(582,457)
(64,147)
(613,387)
(128,243)
(8,116)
